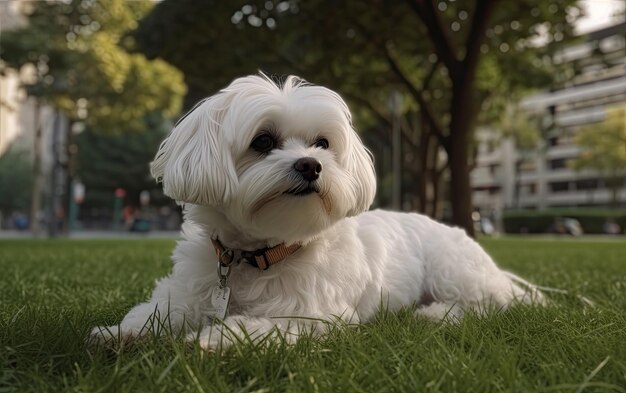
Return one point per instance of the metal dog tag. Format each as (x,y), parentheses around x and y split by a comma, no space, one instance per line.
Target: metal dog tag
(220,297)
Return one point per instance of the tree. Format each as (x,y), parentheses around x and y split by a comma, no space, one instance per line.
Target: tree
(15,178)
(485,25)
(107,161)
(238,46)
(78,66)
(75,63)
(452,60)
(604,150)
(524,129)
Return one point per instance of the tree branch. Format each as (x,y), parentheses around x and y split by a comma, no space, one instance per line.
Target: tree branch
(417,94)
(482,13)
(406,127)
(293,64)
(425,10)
(369,106)
(429,76)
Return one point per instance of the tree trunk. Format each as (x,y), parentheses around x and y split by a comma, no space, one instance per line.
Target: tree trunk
(463,115)
(434,207)
(430,174)
(462,74)
(53,201)
(35,205)
(460,190)
(424,179)
(69,164)
(434,179)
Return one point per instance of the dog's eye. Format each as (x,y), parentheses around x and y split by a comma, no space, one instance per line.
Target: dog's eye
(263,143)
(323,143)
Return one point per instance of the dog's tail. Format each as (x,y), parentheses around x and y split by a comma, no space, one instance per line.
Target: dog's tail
(536,290)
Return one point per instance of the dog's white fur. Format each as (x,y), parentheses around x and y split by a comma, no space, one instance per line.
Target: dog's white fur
(351,261)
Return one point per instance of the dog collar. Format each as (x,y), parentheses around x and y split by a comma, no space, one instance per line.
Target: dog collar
(262,258)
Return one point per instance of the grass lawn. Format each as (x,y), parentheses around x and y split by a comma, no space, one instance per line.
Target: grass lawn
(53,292)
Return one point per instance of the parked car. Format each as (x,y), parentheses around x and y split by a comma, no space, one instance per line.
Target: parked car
(567,226)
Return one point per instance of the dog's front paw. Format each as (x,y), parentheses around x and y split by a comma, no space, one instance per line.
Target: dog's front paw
(211,339)
(111,335)
(436,312)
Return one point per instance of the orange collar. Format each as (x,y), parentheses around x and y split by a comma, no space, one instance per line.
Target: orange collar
(262,258)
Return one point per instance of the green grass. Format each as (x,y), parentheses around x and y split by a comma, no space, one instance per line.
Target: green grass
(53,292)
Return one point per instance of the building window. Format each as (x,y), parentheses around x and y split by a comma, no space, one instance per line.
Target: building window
(567,138)
(587,184)
(559,186)
(494,190)
(527,189)
(558,163)
(526,165)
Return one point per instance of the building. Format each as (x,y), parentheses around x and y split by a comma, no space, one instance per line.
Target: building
(11,96)
(510,178)
(19,114)
(26,126)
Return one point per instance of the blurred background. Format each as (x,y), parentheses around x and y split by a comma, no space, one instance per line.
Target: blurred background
(496,116)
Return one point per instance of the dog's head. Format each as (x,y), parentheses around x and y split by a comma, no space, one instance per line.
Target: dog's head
(278,162)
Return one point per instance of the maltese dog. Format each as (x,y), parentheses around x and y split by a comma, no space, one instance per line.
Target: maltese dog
(277,238)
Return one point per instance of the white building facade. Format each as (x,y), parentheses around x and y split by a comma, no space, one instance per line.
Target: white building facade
(509,178)
(28,126)
(19,114)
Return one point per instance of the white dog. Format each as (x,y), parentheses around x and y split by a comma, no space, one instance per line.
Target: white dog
(276,184)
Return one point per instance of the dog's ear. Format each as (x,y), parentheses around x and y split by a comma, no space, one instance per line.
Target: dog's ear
(193,162)
(360,165)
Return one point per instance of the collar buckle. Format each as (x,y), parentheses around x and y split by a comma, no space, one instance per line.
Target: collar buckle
(262,258)
(257,258)
(226,257)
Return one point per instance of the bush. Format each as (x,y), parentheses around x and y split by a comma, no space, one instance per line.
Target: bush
(16,171)
(541,221)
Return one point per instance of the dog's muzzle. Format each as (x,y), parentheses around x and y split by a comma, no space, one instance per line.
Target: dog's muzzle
(304,188)
(309,168)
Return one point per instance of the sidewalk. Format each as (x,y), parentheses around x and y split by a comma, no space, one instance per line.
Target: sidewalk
(5,234)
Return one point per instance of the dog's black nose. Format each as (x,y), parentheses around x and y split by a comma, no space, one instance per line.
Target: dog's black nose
(309,168)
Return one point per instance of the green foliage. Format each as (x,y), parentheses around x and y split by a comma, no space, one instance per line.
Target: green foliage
(107,161)
(71,51)
(604,145)
(540,221)
(604,149)
(347,46)
(520,125)
(487,54)
(56,291)
(16,174)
